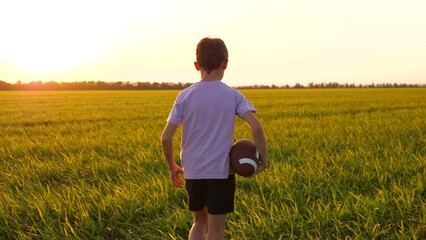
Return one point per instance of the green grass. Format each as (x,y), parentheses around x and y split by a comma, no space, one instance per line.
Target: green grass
(344,164)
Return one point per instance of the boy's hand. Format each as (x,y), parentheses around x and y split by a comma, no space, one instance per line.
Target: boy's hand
(261,166)
(175,175)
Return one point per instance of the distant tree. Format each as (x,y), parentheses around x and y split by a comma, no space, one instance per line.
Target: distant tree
(4,86)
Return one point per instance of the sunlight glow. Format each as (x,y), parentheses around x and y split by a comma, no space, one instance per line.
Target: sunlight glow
(270,42)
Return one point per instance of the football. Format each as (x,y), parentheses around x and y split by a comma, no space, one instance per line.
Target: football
(244,158)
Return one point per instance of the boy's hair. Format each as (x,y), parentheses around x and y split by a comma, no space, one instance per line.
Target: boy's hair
(211,53)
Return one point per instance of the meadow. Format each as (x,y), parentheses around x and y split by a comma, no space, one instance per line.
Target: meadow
(344,164)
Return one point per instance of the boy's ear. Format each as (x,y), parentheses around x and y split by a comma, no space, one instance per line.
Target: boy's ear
(197,66)
(225,64)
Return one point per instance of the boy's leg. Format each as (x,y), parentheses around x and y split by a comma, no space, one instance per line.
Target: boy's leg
(199,227)
(215,198)
(220,202)
(216,227)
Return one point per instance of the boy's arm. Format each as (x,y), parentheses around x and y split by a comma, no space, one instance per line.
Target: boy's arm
(259,139)
(167,146)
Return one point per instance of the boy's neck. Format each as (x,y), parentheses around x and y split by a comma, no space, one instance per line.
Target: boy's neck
(213,76)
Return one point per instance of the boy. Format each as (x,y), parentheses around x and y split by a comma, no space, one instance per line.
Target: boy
(206,110)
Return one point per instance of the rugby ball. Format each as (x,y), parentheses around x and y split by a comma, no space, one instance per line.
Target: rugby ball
(244,158)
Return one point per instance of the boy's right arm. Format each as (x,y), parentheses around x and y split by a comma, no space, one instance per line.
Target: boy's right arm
(259,139)
(167,146)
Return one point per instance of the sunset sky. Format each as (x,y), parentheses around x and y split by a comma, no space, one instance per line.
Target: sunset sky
(269,42)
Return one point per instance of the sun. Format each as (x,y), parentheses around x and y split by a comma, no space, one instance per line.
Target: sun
(53,41)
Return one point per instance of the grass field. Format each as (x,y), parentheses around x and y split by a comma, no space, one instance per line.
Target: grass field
(344,164)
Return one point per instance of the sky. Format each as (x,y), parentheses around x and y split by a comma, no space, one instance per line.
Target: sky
(269,41)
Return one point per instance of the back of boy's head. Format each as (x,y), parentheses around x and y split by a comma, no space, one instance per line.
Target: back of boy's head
(211,53)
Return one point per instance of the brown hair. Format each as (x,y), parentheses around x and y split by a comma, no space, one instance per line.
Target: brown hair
(211,53)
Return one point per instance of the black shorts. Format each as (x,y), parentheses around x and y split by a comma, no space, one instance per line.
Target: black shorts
(216,194)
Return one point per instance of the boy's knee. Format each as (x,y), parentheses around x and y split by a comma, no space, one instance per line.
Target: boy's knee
(201,218)
(216,226)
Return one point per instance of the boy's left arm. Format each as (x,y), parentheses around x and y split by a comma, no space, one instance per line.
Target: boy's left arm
(259,139)
(167,146)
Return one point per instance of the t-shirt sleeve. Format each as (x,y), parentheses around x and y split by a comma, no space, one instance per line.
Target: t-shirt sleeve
(242,105)
(176,114)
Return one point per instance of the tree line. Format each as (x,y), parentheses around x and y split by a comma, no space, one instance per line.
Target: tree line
(101,85)
(90,85)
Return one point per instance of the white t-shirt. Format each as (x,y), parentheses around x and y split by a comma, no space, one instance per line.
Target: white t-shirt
(207,112)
